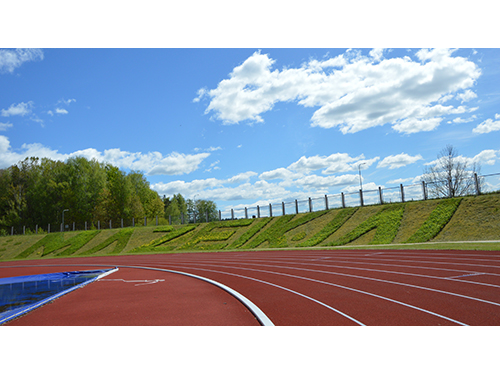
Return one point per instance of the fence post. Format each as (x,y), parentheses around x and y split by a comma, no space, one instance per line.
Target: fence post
(402,193)
(361,197)
(12,231)
(122,222)
(24,229)
(133,221)
(145,221)
(182,217)
(206,215)
(380,195)
(48,229)
(450,188)
(270,210)
(220,216)
(283,207)
(73,226)
(36,229)
(476,181)
(424,190)
(246,213)
(343,199)
(62,228)
(85,225)
(156,220)
(258,211)
(232,214)
(310,205)
(98,224)
(326,201)
(296,206)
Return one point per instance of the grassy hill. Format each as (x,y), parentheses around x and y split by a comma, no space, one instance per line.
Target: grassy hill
(443,223)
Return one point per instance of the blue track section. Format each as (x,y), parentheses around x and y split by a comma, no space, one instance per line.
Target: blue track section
(21,294)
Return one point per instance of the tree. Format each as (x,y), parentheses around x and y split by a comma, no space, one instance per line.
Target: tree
(198,209)
(451,175)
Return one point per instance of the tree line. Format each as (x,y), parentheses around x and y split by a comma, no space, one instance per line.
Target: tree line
(40,191)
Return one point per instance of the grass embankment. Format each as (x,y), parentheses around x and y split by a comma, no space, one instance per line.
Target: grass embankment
(436,224)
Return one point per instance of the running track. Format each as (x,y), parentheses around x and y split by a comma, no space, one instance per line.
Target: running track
(292,288)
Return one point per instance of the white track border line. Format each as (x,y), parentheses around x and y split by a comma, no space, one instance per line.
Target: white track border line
(258,313)
(268,283)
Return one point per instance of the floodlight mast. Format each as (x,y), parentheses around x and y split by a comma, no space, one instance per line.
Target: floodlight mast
(360,183)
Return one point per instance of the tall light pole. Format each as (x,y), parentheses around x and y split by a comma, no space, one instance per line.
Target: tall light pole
(67,209)
(360,183)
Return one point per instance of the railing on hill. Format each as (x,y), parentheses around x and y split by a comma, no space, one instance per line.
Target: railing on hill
(415,192)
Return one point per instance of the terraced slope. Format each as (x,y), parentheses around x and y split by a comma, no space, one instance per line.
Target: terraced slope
(434,221)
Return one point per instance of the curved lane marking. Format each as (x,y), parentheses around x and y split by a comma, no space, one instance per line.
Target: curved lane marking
(332,284)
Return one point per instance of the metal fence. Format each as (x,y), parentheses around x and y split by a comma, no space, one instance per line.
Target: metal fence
(402,193)
(414,192)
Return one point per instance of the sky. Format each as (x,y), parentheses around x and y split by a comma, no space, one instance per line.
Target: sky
(248,126)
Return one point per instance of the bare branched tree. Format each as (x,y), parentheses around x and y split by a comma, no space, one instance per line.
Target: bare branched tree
(451,175)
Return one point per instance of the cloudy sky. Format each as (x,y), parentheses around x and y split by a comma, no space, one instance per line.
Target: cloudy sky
(252,126)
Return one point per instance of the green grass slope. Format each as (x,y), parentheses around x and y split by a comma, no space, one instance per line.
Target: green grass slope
(433,223)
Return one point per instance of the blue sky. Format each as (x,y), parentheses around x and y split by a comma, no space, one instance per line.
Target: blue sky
(247,126)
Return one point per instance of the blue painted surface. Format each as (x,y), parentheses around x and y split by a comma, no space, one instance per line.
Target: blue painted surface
(21,294)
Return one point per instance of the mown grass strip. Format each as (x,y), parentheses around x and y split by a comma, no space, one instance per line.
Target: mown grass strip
(386,221)
(245,237)
(208,234)
(339,220)
(166,238)
(122,237)
(55,241)
(275,234)
(436,221)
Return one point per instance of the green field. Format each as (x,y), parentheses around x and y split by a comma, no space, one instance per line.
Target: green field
(469,223)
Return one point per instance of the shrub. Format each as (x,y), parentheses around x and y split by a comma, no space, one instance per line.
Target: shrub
(436,221)
(339,220)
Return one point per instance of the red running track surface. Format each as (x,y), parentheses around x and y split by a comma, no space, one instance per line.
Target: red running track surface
(293,288)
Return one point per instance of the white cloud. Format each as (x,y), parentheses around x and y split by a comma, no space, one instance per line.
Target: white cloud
(460,120)
(335,163)
(412,125)
(12,59)
(279,174)
(356,94)
(21,109)
(401,180)
(61,111)
(66,102)
(398,161)
(5,125)
(488,126)
(152,163)
(466,96)
(487,157)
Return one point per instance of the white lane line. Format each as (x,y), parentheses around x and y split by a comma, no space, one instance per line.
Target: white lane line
(421,261)
(277,286)
(467,275)
(142,282)
(322,282)
(470,273)
(385,281)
